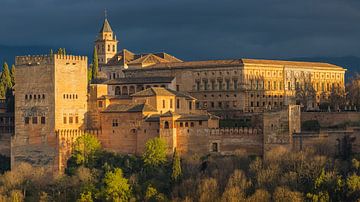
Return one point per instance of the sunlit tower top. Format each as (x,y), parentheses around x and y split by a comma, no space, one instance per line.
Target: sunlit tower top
(106,43)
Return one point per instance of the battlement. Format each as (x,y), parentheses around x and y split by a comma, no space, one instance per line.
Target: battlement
(33,60)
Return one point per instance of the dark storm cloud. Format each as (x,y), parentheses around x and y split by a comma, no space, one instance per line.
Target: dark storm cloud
(190,29)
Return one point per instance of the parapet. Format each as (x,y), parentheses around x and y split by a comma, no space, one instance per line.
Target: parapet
(34,60)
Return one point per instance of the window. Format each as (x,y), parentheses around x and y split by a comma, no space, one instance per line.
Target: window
(43,96)
(34,97)
(164,104)
(289,85)
(227,85)
(26,97)
(198,85)
(27,120)
(30,97)
(166,125)
(178,103)
(181,124)
(200,123)
(177,88)
(268,87)
(274,87)
(220,85)
(64,119)
(186,124)
(206,85)
(235,84)
(215,147)
(220,104)
(71,119)
(171,103)
(76,119)
(100,104)
(35,120)
(213,85)
(115,123)
(39,96)
(43,120)
(113,48)
(212,104)
(190,105)
(192,124)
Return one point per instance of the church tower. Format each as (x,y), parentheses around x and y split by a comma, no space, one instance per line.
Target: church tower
(106,43)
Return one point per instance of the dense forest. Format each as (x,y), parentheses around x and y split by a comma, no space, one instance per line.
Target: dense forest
(97,175)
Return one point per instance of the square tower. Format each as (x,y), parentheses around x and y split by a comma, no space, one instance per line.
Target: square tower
(50,95)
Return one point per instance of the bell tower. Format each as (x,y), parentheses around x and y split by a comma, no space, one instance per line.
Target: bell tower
(106,43)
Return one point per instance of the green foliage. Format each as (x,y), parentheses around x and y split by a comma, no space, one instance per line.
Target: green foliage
(5,80)
(85,197)
(95,65)
(155,152)
(176,167)
(12,75)
(89,73)
(86,147)
(116,187)
(51,53)
(61,51)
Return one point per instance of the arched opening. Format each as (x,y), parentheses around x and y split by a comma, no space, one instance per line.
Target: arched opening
(131,90)
(117,90)
(124,90)
(166,125)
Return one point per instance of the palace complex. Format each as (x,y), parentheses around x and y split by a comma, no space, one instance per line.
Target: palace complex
(142,96)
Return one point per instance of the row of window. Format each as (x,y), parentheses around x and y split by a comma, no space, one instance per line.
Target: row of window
(70,119)
(102,48)
(252,104)
(70,96)
(219,85)
(35,119)
(34,96)
(219,72)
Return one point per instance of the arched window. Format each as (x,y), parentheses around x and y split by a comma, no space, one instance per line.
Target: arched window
(131,90)
(166,125)
(117,90)
(108,47)
(124,90)
(113,48)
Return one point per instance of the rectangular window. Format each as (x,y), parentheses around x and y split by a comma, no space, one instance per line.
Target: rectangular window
(235,84)
(268,87)
(27,120)
(43,120)
(64,120)
(227,85)
(115,123)
(206,85)
(190,105)
(198,85)
(212,104)
(178,103)
(100,104)
(220,104)
(177,88)
(220,85)
(70,119)
(181,124)
(215,147)
(289,85)
(280,85)
(35,120)
(164,104)
(274,85)
(171,103)
(76,118)
(200,123)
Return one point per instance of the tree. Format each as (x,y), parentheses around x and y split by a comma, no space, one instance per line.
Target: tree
(95,65)
(155,152)
(51,53)
(5,80)
(353,91)
(116,187)
(208,190)
(305,93)
(284,194)
(176,167)
(89,73)
(337,98)
(85,149)
(12,75)
(61,51)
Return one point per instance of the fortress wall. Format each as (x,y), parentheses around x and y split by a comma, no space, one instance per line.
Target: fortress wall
(199,141)
(327,119)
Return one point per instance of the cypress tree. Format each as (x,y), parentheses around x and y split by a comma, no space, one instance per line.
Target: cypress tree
(176,167)
(90,73)
(95,65)
(12,75)
(51,53)
(5,80)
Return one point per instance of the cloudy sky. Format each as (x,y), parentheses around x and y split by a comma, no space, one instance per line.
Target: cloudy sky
(189,29)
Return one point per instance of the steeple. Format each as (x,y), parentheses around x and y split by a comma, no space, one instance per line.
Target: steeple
(106,43)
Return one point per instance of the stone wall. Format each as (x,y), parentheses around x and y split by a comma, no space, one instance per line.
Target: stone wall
(328,119)
(5,144)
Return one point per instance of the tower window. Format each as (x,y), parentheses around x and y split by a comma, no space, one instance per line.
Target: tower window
(43,120)
(27,120)
(115,123)
(215,147)
(35,120)
(113,48)
(171,103)
(178,103)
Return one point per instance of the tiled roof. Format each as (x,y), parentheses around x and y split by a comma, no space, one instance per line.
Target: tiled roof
(193,117)
(153,118)
(114,97)
(169,114)
(127,57)
(182,94)
(106,26)
(129,108)
(153,91)
(290,63)
(140,80)
(237,63)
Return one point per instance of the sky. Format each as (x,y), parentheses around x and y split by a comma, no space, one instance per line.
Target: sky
(189,29)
